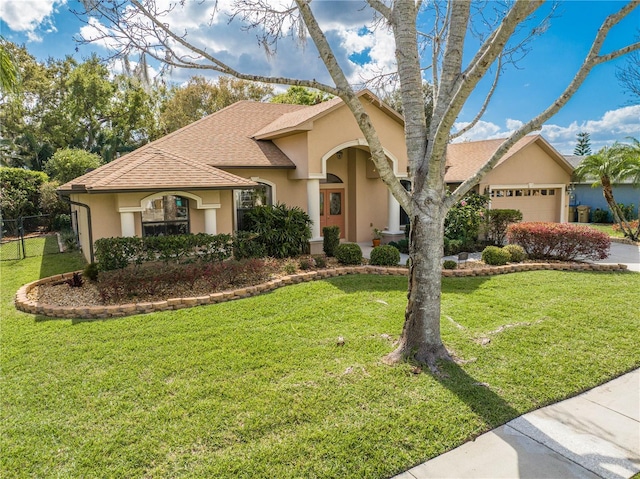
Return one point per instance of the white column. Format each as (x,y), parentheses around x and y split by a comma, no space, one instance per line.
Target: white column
(210,221)
(313,207)
(563,203)
(127,224)
(393,214)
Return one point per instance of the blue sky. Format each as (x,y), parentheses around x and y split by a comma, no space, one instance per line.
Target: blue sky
(47,28)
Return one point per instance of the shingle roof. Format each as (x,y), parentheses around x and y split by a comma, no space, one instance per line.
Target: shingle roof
(464,159)
(154,169)
(225,138)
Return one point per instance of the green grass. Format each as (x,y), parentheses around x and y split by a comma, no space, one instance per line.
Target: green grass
(606,228)
(258,387)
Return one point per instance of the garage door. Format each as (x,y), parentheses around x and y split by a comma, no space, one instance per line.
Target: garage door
(536,204)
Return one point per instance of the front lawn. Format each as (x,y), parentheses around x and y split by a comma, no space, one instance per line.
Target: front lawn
(607,228)
(259,388)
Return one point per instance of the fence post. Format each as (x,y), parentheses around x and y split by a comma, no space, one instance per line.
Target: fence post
(21,231)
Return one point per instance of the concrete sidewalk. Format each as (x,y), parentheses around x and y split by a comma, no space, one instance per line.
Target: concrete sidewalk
(593,435)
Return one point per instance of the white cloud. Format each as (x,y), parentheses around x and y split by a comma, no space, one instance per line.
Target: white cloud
(614,125)
(29,15)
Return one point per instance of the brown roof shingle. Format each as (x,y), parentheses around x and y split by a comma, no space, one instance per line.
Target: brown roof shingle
(464,159)
(154,169)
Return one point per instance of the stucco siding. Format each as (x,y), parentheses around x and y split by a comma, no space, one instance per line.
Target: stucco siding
(530,165)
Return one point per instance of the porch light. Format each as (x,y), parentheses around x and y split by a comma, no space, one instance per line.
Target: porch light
(339,155)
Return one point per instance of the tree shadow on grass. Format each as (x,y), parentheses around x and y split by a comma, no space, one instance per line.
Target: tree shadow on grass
(384,283)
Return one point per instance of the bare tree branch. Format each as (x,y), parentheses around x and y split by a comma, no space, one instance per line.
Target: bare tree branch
(485,104)
(593,58)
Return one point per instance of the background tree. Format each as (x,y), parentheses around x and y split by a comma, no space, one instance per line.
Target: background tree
(201,97)
(613,164)
(583,145)
(629,76)
(19,192)
(69,163)
(299,95)
(454,76)
(63,103)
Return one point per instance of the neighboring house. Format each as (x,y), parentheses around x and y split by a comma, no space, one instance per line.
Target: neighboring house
(532,177)
(583,194)
(205,176)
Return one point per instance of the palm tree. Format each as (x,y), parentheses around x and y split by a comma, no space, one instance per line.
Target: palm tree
(8,71)
(613,164)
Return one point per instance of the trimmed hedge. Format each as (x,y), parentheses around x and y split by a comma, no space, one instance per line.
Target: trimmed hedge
(559,241)
(349,253)
(517,253)
(330,239)
(385,255)
(495,256)
(118,253)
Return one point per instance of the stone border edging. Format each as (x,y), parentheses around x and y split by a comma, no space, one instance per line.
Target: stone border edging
(23,303)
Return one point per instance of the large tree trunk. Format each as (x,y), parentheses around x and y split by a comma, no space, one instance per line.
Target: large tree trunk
(420,340)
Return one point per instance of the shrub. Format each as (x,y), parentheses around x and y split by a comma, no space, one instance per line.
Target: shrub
(628,211)
(600,216)
(560,241)
(385,255)
(331,239)
(246,245)
(283,231)
(449,264)
(401,245)
(69,240)
(61,222)
(517,253)
(463,220)
(497,222)
(91,272)
(117,253)
(20,192)
(290,267)
(321,261)
(632,224)
(452,247)
(349,253)
(76,281)
(151,279)
(495,256)
(307,263)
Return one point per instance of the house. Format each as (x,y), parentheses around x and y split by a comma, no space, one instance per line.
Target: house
(205,176)
(583,194)
(532,177)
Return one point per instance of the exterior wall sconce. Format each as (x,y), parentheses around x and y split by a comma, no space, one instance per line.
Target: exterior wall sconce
(339,155)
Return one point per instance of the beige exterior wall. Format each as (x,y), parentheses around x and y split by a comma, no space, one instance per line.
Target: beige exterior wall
(339,127)
(530,171)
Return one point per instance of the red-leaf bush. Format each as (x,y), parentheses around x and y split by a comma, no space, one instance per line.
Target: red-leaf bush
(150,280)
(559,241)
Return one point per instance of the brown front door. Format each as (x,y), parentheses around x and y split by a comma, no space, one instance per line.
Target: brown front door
(332,209)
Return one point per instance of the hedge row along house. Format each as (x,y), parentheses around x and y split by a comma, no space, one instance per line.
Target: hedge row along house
(203,177)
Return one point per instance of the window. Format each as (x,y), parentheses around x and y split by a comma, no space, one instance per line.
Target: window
(249,198)
(404,217)
(164,216)
(331,178)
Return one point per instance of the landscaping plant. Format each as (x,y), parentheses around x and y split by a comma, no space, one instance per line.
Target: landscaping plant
(349,254)
(497,222)
(385,255)
(330,239)
(495,256)
(516,252)
(283,231)
(559,241)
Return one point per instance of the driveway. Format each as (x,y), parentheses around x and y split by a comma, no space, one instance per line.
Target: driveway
(624,254)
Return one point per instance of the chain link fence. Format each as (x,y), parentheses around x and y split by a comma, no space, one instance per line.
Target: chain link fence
(27,236)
